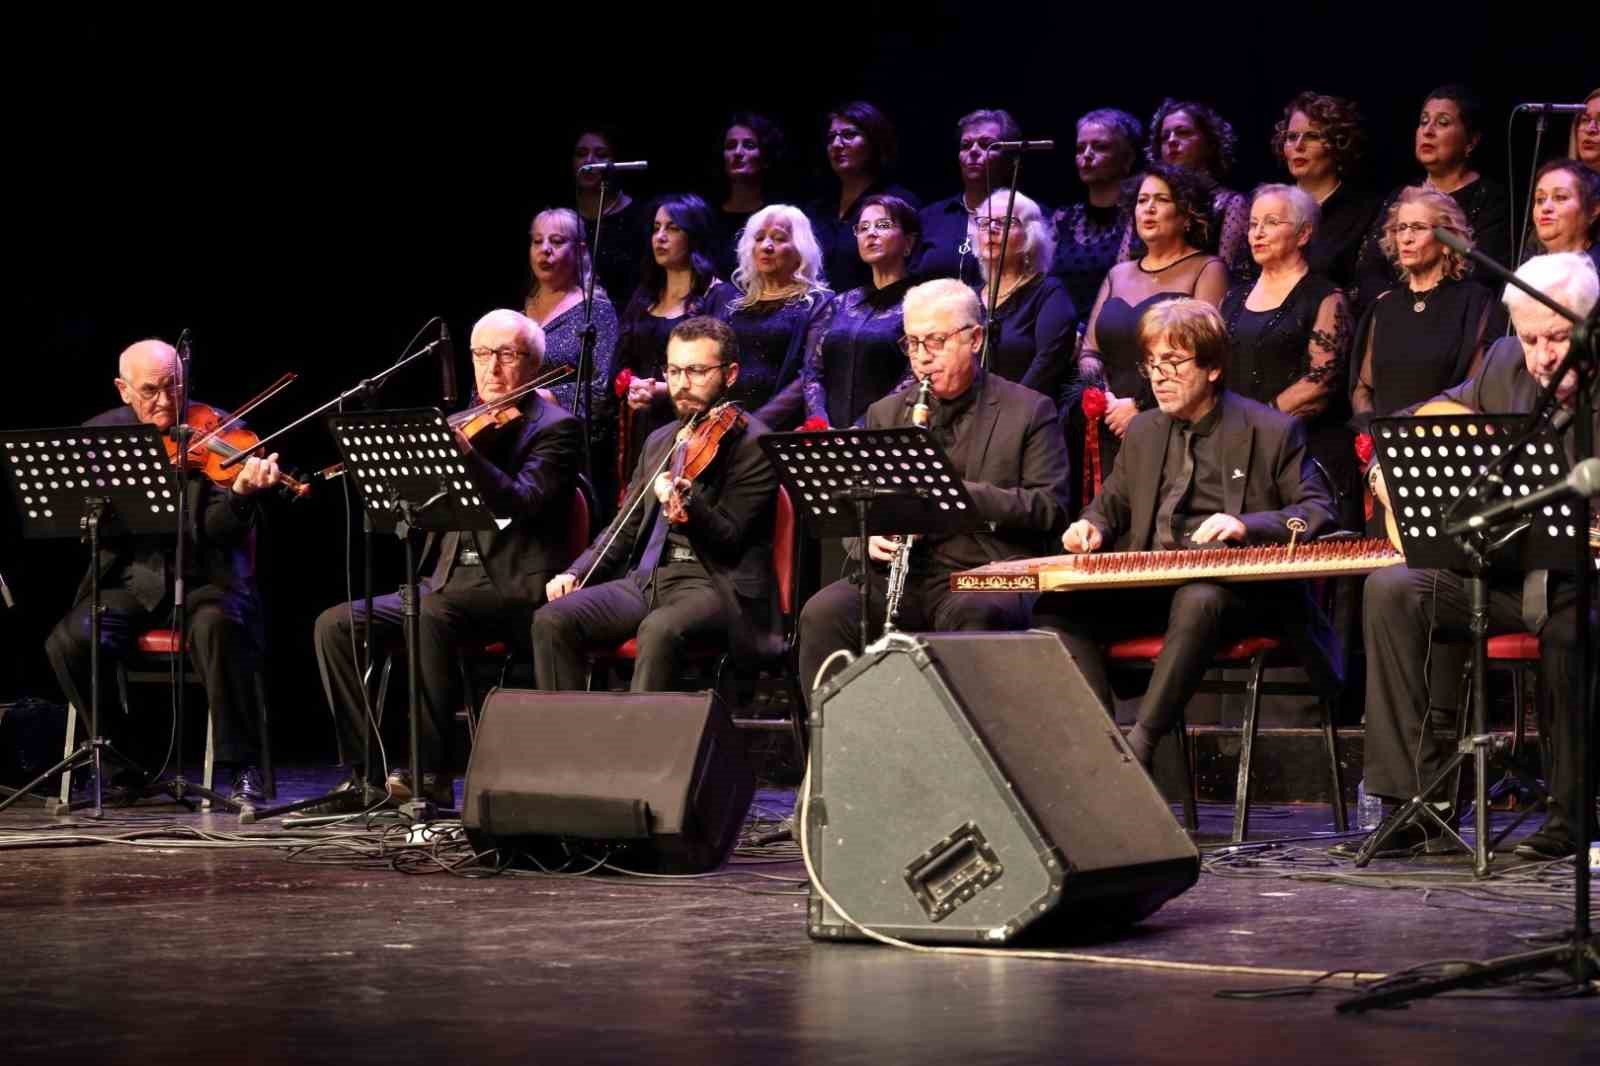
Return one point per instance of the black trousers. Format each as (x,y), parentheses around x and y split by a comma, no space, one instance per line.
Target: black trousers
(1197,619)
(831,620)
(468,607)
(1401,606)
(662,611)
(224,646)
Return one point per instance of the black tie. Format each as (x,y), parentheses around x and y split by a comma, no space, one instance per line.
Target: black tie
(1171,536)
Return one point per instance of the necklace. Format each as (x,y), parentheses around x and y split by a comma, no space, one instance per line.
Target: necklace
(1420,298)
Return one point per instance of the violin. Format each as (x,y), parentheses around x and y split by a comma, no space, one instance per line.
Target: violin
(697,450)
(217,439)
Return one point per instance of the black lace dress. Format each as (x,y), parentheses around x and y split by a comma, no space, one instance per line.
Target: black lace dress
(774,336)
(1087,240)
(857,360)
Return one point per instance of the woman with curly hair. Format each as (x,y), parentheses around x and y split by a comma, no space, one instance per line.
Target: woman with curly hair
(1429,331)
(1321,142)
(779,313)
(1170,206)
(1192,135)
(1449,131)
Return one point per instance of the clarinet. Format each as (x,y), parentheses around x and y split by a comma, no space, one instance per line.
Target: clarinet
(902,552)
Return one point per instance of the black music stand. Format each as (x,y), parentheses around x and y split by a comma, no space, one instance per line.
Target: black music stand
(1432,468)
(86,482)
(850,482)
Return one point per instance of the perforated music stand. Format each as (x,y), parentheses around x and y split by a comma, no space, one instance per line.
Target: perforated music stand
(412,475)
(851,482)
(1434,469)
(86,482)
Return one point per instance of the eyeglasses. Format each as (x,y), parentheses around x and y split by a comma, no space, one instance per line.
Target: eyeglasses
(503,356)
(1418,228)
(996,221)
(933,342)
(695,374)
(1305,136)
(1270,222)
(882,225)
(1162,369)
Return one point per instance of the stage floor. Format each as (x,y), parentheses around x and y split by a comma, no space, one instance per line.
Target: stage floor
(238,949)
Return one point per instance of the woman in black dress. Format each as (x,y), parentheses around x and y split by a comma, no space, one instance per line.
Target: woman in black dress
(1430,331)
(946,250)
(1171,215)
(752,154)
(1448,133)
(1291,333)
(1090,232)
(1321,141)
(1566,210)
(778,314)
(857,359)
(616,256)
(1034,337)
(1191,135)
(862,148)
(677,281)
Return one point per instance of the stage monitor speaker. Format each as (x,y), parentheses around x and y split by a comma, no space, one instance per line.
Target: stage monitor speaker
(657,780)
(970,788)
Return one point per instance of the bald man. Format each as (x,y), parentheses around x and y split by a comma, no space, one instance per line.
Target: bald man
(136,581)
(484,585)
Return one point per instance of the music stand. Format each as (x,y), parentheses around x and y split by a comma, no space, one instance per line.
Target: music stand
(412,475)
(86,482)
(1432,468)
(849,482)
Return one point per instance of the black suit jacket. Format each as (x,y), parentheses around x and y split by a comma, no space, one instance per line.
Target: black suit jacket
(528,477)
(1268,478)
(1504,387)
(217,550)
(1016,471)
(730,526)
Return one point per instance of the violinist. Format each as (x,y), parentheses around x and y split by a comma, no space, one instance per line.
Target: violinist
(136,580)
(484,586)
(1006,442)
(1403,607)
(689,554)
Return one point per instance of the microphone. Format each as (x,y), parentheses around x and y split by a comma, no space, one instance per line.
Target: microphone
(636,165)
(1452,240)
(1022,146)
(1583,481)
(447,365)
(1553,109)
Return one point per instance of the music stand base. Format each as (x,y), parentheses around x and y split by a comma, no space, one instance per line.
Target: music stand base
(1581,960)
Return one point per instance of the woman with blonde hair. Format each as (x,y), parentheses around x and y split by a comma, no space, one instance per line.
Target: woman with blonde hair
(778,314)
(558,258)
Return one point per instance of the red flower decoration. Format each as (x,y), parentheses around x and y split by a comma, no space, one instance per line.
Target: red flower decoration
(1364,448)
(814,424)
(624,379)
(1094,404)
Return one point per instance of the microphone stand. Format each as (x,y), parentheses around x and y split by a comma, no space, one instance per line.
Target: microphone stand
(581,400)
(1580,954)
(998,267)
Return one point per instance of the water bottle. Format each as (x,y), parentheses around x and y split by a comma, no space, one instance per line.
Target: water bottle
(1369,808)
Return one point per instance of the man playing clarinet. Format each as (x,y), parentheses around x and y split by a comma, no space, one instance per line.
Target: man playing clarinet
(1207,469)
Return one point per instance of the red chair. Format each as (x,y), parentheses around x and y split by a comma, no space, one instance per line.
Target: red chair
(779,653)
(1255,654)
(498,651)
(1516,653)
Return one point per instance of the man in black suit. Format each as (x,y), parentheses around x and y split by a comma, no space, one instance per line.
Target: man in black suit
(1402,606)
(1006,442)
(683,559)
(484,585)
(1208,468)
(136,586)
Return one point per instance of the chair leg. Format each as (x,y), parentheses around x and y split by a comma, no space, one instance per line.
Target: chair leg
(1191,814)
(1519,680)
(1330,737)
(269,779)
(72,731)
(1252,719)
(208,771)
(469,702)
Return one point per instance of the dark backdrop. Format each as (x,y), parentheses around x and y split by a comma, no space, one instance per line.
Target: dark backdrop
(304,192)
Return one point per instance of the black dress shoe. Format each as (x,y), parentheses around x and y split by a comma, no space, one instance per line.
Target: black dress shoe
(1420,837)
(247,790)
(1552,840)
(350,796)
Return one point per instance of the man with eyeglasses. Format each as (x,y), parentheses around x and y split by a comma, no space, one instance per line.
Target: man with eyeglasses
(137,580)
(1006,443)
(683,560)
(1208,468)
(484,585)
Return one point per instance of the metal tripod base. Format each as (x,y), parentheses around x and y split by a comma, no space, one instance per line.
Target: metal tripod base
(1476,748)
(177,789)
(92,752)
(1581,960)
